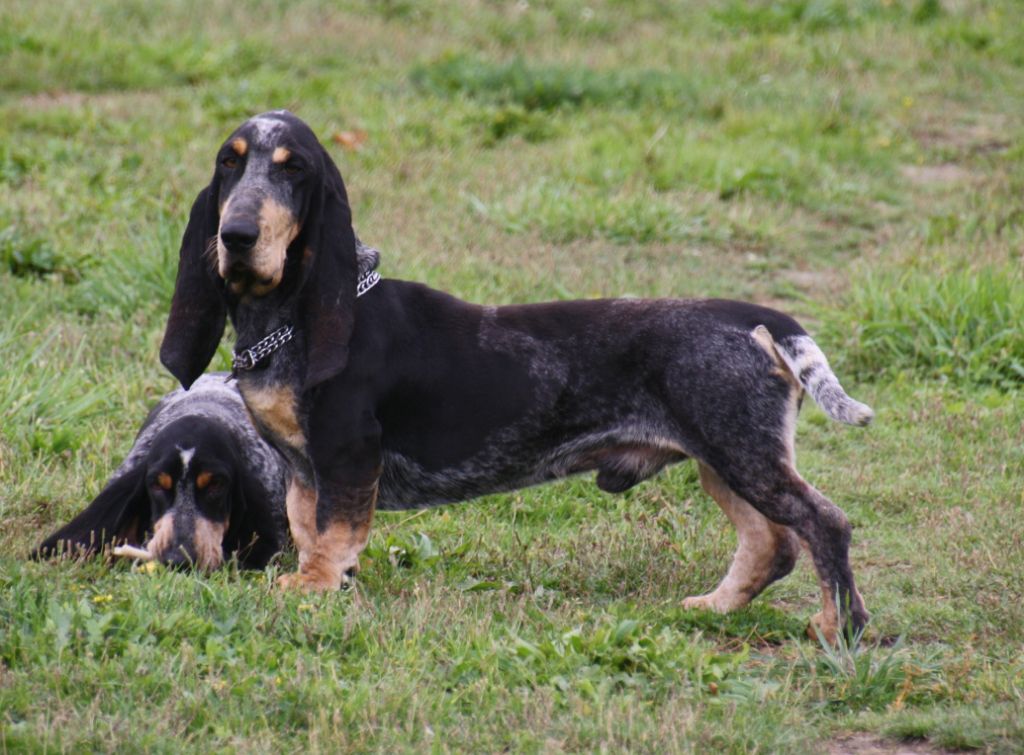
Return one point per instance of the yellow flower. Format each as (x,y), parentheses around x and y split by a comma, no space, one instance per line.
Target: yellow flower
(908,101)
(102,598)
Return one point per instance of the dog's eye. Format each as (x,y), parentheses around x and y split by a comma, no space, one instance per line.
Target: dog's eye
(292,168)
(209,482)
(162,482)
(230,162)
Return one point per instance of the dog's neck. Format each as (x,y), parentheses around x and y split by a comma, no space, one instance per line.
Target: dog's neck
(276,311)
(253,320)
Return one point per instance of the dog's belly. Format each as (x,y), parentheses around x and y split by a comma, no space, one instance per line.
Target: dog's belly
(621,456)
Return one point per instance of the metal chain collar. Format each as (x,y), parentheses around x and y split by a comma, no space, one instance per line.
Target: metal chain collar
(252,356)
(366,282)
(249,358)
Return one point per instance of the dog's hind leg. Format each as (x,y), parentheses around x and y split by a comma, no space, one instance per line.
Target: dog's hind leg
(782,495)
(766,551)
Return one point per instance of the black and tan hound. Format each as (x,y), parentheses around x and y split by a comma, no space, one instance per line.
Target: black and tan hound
(198,486)
(408,397)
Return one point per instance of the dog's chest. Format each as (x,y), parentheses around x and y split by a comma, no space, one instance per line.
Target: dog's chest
(275,412)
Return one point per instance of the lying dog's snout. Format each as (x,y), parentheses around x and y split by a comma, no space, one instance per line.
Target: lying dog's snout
(181,557)
(239,235)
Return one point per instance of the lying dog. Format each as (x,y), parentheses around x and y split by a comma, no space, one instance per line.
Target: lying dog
(408,397)
(199,486)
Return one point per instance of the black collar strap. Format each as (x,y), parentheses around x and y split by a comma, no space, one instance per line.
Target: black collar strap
(248,359)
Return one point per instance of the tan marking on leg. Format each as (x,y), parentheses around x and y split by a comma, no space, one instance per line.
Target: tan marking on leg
(209,543)
(163,536)
(280,155)
(240,146)
(334,555)
(275,410)
(826,621)
(300,504)
(759,543)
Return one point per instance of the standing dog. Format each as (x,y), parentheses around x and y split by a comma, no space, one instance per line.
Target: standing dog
(408,397)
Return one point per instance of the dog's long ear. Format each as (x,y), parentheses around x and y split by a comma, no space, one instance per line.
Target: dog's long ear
(120,512)
(198,310)
(328,297)
(251,534)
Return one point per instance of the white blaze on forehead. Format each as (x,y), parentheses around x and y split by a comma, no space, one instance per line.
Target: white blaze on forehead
(186,457)
(267,128)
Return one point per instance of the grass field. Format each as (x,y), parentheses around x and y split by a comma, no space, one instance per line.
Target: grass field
(859,164)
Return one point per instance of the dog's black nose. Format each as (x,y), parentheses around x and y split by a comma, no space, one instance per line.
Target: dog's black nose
(239,235)
(181,557)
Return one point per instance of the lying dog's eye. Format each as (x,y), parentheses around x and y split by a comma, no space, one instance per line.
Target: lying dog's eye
(209,482)
(230,162)
(292,168)
(162,482)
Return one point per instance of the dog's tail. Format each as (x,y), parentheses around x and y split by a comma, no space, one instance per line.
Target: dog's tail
(809,366)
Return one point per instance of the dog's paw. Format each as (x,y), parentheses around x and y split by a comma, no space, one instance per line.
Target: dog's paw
(348,578)
(717,601)
(306,582)
(701,603)
(823,626)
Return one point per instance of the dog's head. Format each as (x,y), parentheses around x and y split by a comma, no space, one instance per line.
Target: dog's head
(186,502)
(274,225)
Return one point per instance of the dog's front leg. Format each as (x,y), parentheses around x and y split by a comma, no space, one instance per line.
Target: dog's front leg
(330,529)
(330,510)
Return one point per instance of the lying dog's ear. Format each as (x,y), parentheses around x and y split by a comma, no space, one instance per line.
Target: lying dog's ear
(254,533)
(121,512)
(328,298)
(198,310)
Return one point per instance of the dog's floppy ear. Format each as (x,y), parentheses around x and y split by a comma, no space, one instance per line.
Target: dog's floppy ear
(251,534)
(328,298)
(120,512)
(198,310)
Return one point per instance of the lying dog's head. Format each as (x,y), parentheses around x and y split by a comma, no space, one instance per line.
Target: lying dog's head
(185,502)
(272,229)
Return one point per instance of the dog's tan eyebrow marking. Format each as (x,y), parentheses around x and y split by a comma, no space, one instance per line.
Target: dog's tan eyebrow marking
(164,480)
(281,154)
(240,146)
(203,479)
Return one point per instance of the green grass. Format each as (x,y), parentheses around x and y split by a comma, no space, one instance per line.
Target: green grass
(857,164)
(536,87)
(962,325)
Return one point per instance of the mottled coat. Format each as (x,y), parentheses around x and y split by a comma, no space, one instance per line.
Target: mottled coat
(198,486)
(410,397)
